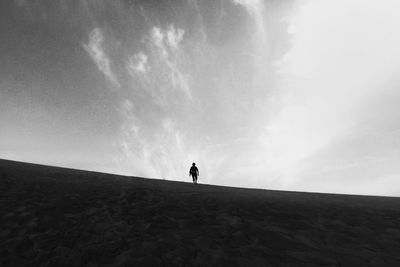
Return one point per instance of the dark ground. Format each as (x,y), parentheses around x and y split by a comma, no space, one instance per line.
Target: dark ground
(62,217)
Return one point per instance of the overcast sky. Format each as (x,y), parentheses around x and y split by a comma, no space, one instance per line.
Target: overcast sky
(293,95)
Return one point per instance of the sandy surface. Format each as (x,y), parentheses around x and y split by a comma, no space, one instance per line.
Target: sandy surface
(61,217)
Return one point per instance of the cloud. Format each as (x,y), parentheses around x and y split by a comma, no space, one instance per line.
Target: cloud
(138,63)
(156,146)
(167,39)
(167,44)
(157,37)
(158,153)
(97,53)
(174,36)
(166,55)
(342,58)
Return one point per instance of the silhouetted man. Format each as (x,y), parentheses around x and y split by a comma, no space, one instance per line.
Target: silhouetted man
(194,172)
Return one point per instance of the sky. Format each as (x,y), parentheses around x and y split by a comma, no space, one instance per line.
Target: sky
(290,95)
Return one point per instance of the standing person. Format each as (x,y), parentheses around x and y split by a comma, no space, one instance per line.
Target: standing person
(194,172)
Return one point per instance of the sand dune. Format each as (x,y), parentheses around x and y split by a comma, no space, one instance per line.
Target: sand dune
(61,217)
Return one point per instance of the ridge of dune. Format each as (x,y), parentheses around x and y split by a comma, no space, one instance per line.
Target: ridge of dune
(55,216)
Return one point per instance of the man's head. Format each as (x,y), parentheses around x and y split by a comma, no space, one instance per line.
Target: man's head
(193,164)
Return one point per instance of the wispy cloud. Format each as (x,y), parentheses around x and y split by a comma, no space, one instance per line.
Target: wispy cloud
(138,63)
(167,39)
(167,44)
(158,153)
(96,51)
(158,149)
(174,36)
(157,36)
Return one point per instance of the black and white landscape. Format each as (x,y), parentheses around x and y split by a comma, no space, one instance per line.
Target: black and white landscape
(288,108)
(292,94)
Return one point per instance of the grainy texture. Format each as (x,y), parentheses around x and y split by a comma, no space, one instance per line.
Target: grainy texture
(62,217)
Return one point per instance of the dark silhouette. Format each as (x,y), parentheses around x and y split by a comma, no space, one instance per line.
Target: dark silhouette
(194,172)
